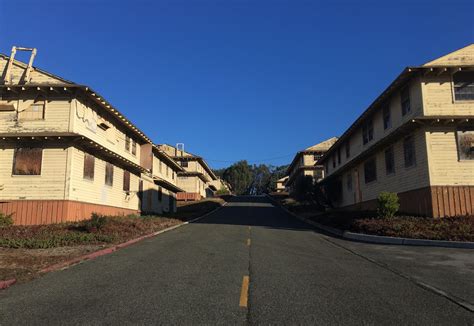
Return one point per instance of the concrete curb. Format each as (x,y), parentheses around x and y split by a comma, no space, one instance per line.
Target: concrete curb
(380,239)
(7,283)
(128,243)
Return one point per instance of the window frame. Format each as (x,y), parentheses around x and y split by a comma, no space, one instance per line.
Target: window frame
(126,181)
(134,147)
(14,162)
(453,85)
(367,131)
(405,90)
(387,117)
(127,143)
(38,99)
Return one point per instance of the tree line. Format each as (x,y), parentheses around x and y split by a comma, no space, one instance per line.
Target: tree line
(247,179)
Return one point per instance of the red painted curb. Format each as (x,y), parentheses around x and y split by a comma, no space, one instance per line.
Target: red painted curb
(7,283)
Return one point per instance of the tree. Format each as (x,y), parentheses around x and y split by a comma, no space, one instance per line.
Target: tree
(239,175)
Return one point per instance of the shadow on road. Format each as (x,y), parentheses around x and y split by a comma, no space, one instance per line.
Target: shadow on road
(254,211)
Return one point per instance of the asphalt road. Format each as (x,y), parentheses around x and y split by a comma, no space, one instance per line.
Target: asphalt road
(194,275)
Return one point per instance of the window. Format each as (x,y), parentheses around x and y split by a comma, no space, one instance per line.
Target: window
(126,181)
(184,164)
(334,161)
(339,155)
(409,151)
(370,170)
(317,157)
(89,165)
(367,131)
(35,111)
(167,170)
(405,99)
(172,175)
(326,167)
(27,161)
(349,182)
(134,147)
(387,119)
(160,194)
(348,150)
(464,85)
(109,174)
(127,143)
(389,160)
(465,144)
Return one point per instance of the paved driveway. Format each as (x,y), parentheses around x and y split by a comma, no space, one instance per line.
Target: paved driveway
(194,275)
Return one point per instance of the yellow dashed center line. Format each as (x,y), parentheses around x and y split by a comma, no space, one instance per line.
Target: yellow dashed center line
(244,293)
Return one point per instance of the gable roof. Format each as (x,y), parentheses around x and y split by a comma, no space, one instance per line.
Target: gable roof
(463,56)
(322,146)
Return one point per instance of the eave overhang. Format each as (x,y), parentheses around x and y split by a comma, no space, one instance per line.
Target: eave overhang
(166,184)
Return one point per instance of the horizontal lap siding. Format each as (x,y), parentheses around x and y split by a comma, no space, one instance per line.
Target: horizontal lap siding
(35,212)
(49,185)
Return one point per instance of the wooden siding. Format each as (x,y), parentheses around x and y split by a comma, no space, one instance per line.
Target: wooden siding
(36,77)
(151,203)
(96,191)
(394,103)
(49,185)
(445,167)
(188,196)
(452,200)
(34,212)
(463,56)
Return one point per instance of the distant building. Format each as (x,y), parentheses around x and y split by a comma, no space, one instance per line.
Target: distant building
(196,178)
(281,184)
(416,139)
(306,164)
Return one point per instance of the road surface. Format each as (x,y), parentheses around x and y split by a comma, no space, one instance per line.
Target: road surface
(198,274)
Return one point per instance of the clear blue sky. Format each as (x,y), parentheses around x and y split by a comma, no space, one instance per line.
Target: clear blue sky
(237,80)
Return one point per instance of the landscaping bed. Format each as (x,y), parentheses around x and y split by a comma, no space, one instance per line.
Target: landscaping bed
(25,250)
(448,228)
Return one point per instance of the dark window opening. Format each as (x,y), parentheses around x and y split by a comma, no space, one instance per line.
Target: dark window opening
(126,181)
(184,164)
(405,100)
(348,150)
(27,161)
(89,166)
(370,170)
(349,182)
(134,147)
(464,85)
(109,174)
(160,194)
(409,151)
(389,160)
(127,143)
(339,156)
(387,120)
(367,131)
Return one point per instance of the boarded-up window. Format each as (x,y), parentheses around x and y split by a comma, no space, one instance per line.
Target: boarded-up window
(405,100)
(127,143)
(89,166)
(409,151)
(35,111)
(160,194)
(466,144)
(134,147)
(389,160)
(370,170)
(109,174)
(126,181)
(367,131)
(464,86)
(27,161)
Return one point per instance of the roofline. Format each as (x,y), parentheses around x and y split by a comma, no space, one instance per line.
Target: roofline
(168,158)
(407,74)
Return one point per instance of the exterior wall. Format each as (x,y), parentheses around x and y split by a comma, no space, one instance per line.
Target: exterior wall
(355,140)
(438,97)
(403,180)
(444,165)
(49,185)
(96,191)
(56,114)
(86,118)
(163,170)
(151,203)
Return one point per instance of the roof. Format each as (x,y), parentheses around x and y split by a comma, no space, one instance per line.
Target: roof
(165,157)
(66,85)
(321,147)
(445,63)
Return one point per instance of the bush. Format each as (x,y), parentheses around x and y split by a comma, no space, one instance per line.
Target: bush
(387,204)
(6,219)
(95,223)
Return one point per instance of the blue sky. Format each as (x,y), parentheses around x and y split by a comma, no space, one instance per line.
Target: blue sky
(255,80)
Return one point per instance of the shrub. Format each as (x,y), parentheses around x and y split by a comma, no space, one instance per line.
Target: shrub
(387,204)
(95,223)
(6,219)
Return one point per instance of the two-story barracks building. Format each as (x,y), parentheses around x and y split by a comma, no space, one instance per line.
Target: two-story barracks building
(416,139)
(66,152)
